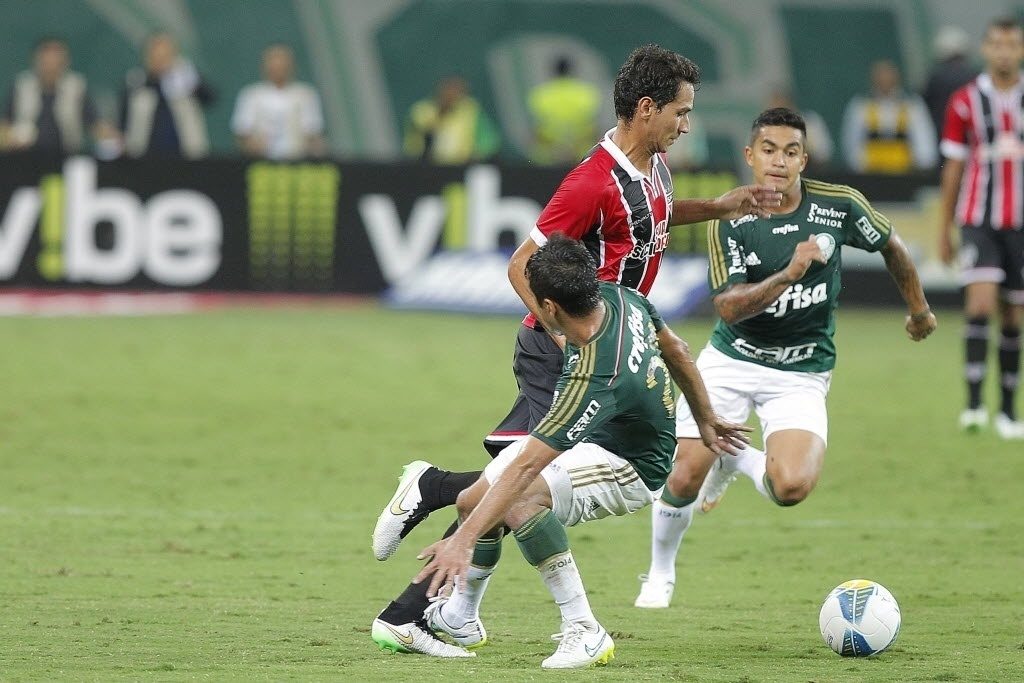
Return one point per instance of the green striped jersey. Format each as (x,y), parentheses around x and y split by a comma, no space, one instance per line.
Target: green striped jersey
(615,391)
(795,332)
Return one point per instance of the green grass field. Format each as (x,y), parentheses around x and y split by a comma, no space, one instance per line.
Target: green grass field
(192,497)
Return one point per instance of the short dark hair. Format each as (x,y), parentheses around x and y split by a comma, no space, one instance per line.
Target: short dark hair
(1006,23)
(565,272)
(651,71)
(779,116)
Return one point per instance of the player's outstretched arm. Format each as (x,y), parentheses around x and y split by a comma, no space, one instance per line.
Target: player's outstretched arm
(920,319)
(756,199)
(747,299)
(450,557)
(717,434)
(517,276)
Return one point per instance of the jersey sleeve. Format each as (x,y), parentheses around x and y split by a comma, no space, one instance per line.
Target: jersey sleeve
(726,256)
(870,228)
(956,127)
(574,209)
(583,402)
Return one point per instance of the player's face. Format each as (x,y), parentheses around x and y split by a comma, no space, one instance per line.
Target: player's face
(1003,50)
(777,157)
(672,120)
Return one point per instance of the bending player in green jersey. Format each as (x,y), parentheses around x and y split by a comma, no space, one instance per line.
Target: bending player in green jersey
(775,283)
(604,448)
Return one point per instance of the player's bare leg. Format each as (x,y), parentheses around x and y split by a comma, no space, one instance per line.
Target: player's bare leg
(794,461)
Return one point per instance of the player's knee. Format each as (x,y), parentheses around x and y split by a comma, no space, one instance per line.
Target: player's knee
(468,498)
(787,491)
(523,511)
(684,481)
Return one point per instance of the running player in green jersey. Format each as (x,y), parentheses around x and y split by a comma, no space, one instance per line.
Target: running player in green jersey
(775,282)
(604,448)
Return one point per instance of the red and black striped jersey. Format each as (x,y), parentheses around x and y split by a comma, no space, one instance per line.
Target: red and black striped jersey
(620,214)
(985,127)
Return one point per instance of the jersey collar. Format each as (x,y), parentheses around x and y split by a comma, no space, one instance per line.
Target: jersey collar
(620,158)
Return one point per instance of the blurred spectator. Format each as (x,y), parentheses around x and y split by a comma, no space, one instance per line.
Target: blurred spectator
(950,72)
(690,152)
(162,105)
(279,118)
(564,112)
(49,108)
(451,127)
(888,131)
(819,140)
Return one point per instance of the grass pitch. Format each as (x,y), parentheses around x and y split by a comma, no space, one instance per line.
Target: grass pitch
(191,497)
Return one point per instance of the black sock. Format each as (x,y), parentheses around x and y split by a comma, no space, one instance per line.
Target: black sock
(440,488)
(976,342)
(1009,368)
(410,604)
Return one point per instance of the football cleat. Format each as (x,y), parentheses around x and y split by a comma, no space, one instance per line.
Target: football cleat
(413,638)
(655,592)
(402,513)
(722,473)
(578,648)
(973,419)
(470,635)
(1007,428)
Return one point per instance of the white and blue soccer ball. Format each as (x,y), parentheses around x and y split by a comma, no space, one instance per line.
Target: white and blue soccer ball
(859,618)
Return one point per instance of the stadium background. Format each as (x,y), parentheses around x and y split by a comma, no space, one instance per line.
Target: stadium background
(189,494)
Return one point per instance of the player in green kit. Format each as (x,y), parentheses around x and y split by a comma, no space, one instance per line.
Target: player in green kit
(604,448)
(775,282)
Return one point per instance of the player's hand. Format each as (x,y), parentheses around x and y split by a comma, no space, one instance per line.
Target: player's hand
(806,253)
(920,325)
(756,199)
(449,559)
(722,436)
(946,248)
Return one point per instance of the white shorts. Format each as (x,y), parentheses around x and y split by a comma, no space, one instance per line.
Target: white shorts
(782,399)
(586,482)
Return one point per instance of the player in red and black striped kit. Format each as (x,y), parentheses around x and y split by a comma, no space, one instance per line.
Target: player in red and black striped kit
(983,192)
(619,203)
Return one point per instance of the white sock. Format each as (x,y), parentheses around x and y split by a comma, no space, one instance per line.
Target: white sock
(464,604)
(753,463)
(668,524)
(566,585)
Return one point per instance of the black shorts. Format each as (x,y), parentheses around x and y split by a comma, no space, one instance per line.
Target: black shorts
(988,255)
(537,365)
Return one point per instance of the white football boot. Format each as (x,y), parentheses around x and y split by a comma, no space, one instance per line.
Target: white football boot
(401,513)
(655,592)
(722,473)
(413,638)
(973,419)
(1008,429)
(578,648)
(470,635)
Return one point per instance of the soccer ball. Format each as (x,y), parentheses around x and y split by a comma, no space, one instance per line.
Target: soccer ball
(859,618)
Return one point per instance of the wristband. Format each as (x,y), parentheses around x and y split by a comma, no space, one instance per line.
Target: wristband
(921,315)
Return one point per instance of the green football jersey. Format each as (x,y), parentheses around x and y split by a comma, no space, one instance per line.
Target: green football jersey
(795,332)
(615,391)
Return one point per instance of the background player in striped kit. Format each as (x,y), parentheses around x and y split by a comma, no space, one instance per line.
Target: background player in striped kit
(983,193)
